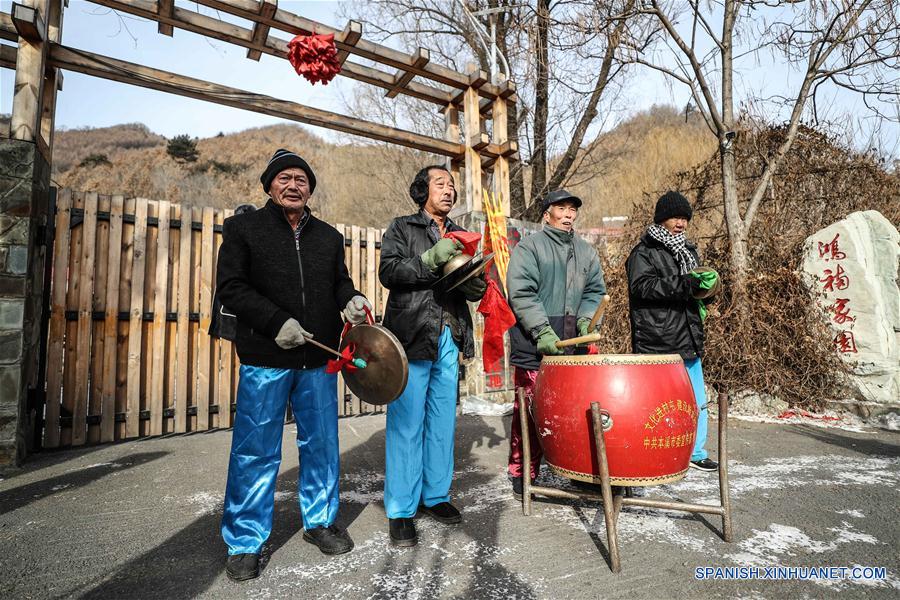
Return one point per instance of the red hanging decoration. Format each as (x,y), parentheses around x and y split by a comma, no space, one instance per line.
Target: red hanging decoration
(468,239)
(346,360)
(314,57)
(498,318)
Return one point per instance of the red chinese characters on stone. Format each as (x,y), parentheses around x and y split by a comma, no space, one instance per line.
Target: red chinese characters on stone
(830,250)
(841,311)
(835,280)
(845,343)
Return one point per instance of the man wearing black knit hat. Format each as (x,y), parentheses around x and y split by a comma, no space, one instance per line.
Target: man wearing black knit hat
(666,315)
(281,271)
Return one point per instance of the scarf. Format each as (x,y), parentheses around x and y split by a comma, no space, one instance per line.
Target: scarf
(676,245)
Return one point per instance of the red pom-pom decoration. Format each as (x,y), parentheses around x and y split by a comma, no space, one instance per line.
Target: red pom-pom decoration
(314,57)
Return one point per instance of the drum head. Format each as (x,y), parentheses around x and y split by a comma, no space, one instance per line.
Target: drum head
(384,378)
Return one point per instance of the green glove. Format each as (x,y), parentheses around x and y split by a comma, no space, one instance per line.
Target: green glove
(473,289)
(582,325)
(704,312)
(546,341)
(440,253)
(707,279)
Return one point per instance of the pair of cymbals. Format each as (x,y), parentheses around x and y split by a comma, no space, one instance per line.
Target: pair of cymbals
(461,268)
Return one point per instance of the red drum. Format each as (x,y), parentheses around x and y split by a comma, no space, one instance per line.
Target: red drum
(649,416)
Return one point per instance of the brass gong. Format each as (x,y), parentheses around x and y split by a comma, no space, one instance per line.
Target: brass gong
(384,378)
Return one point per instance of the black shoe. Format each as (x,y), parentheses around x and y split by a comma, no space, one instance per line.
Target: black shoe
(241,567)
(403,532)
(330,540)
(705,464)
(517,488)
(444,512)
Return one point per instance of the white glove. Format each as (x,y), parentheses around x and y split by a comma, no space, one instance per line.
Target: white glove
(355,312)
(292,335)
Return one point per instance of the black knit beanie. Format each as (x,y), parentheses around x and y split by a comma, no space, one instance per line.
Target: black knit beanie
(672,204)
(285,159)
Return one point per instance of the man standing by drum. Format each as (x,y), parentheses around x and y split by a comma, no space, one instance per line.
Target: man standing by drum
(666,318)
(433,328)
(281,271)
(555,284)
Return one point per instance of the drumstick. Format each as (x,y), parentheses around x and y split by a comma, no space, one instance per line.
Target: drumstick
(591,337)
(599,312)
(358,362)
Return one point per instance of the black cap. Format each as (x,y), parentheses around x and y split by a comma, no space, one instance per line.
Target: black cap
(557,196)
(672,204)
(285,159)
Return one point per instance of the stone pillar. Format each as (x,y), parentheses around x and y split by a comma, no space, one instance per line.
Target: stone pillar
(24,196)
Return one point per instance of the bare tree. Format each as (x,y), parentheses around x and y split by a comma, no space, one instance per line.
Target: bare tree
(563,58)
(853,45)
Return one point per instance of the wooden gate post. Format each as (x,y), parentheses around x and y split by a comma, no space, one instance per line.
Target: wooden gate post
(24,205)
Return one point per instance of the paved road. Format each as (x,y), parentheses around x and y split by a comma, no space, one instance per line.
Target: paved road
(140,520)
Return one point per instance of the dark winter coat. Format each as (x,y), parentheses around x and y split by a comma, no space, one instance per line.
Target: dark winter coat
(265,278)
(414,312)
(665,318)
(554,278)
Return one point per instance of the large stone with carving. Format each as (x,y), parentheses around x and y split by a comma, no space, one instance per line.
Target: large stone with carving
(852,268)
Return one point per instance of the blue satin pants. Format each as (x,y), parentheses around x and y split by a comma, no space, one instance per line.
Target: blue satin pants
(419,434)
(695,372)
(256,452)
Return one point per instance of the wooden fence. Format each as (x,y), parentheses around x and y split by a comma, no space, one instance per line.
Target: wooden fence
(128,354)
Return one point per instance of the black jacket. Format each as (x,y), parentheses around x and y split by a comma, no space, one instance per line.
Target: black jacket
(265,279)
(413,310)
(665,318)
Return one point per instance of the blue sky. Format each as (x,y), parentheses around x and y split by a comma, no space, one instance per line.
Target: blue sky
(90,102)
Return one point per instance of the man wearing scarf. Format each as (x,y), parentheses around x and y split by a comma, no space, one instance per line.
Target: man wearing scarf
(666,318)
(433,327)
(281,272)
(555,284)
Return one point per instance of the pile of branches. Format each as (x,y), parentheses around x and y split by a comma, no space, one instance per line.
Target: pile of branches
(775,339)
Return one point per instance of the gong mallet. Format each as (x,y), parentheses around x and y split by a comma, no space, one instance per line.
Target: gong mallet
(591,337)
(357,362)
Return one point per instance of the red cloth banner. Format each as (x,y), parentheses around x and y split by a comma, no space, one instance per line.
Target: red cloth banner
(468,239)
(314,57)
(498,318)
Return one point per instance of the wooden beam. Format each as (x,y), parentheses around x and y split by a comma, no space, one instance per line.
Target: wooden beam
(241,36)
(477,78)
(420,59)
(7,29)
(479,141)
(164,9)
(157,79)
(28,22)
(30,69)
(351,34)
(261,30)
(472,131)
(8,57)
(292,23)
(54,80)
(451,131)
(500,179)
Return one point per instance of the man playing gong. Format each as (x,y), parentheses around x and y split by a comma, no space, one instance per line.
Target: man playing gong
(555,284)
(433,327)
(281,271)
(666,316)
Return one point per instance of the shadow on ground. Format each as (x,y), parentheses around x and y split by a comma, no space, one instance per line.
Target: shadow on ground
(24,495)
